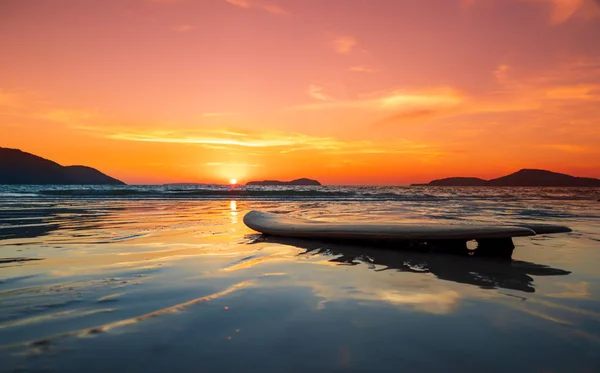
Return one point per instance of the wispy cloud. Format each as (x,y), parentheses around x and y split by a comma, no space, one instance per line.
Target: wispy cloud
(216,114)
(574,92)
(559,11)
(232,164)
(362,69)
(68,116)
(392,100)
(569,148)
(183,138)
(266,142)
(558,89)
(10,101)
(19,99)
(549,91)
(182,28)
(268,6)
(316,92)
(344,44)
(578,70)
(562,10)
(410,116)
(32,106)
(575,79)
(501,73)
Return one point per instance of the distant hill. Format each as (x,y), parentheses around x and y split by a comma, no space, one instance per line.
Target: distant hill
(18,167)
(303,181)
(462,181)
(522,178)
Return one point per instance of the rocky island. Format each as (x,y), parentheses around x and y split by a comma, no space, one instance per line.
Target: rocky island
(297,182)
(522,178)
(18,167)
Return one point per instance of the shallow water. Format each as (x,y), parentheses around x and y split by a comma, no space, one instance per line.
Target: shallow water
(150,284)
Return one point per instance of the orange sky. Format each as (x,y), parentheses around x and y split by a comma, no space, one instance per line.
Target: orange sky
(344,91)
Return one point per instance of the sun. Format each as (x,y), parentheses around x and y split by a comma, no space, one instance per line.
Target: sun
(232,181)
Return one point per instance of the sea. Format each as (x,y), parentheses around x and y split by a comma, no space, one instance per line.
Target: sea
(169,279)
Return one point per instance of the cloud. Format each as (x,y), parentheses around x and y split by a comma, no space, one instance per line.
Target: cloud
(19,99)
(412,116)
(438,96)
(344,44)
(568,148)
(362,69)
(559,11)
(234,164)
(316,92)
(573,83)
(552,91)
(182,28)
(562,10)
(282,143)
(216,114)
(68,116)
(30,105)
(183,138)
(577,79)
(501,74)
(405,99)
(9,99)
(573,92)
(573,70)
(267,6)
(209,138)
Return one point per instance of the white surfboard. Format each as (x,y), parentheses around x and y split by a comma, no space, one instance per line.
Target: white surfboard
(287,226)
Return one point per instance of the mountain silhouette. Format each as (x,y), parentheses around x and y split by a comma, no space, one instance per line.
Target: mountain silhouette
(303,181)
(18,167)
(522,178)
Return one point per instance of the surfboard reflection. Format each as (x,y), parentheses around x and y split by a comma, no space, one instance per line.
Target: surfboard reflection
(483,273)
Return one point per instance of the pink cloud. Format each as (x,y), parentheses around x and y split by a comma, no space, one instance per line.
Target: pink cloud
(316,92)
(267,6)
(362,69)
(344,44)
(183,28)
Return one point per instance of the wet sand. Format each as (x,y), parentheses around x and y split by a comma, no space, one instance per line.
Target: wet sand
(150,286)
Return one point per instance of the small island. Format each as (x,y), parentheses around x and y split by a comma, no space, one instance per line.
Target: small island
(297,182)
(522,178)
(19,167)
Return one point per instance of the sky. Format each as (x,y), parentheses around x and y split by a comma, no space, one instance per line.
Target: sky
(387,92)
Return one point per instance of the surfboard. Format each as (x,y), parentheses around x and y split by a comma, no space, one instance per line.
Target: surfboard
(491,238)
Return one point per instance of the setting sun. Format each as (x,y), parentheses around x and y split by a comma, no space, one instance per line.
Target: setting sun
(232,181)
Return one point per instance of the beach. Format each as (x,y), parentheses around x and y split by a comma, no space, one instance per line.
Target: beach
(152,279)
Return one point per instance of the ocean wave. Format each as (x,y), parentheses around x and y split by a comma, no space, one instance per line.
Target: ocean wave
(91,192)
(326,193)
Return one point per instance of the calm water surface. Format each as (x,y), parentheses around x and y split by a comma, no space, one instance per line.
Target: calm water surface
(152,279)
